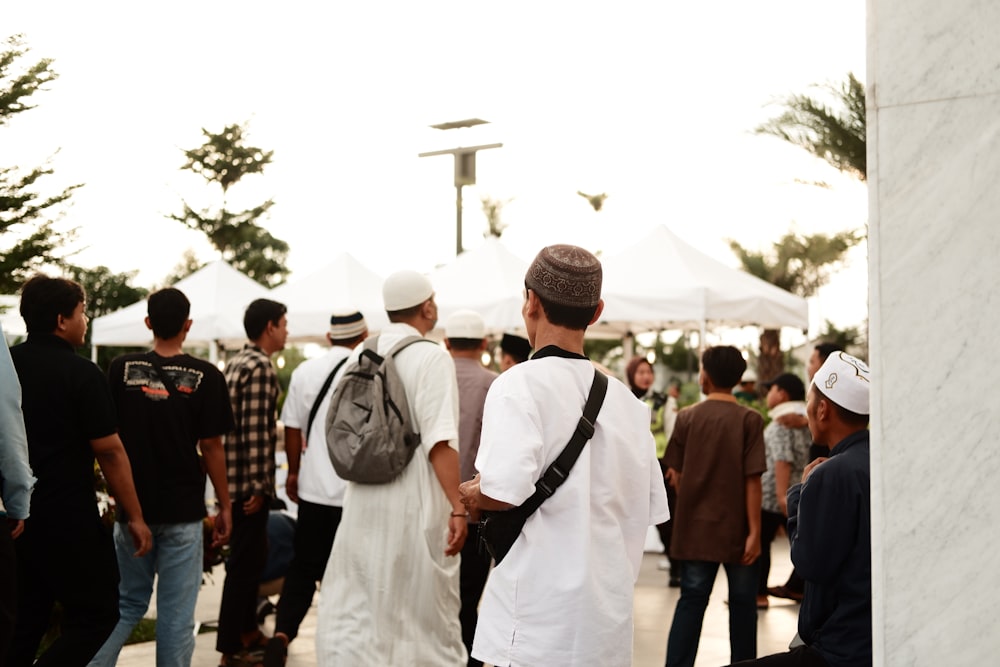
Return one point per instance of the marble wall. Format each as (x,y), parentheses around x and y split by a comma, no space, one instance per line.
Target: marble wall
(934,179)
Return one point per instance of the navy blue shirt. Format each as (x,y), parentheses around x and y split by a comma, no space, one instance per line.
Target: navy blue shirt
(829,521)
(66,404)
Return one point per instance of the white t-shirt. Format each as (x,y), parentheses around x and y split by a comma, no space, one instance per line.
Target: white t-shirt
(563,594)
(318,482)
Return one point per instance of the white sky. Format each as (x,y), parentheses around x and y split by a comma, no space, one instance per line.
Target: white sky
(651,102)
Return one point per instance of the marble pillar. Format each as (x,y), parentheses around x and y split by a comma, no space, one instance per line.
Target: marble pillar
(934,179)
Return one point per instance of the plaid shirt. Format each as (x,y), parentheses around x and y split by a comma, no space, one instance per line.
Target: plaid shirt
(253,391)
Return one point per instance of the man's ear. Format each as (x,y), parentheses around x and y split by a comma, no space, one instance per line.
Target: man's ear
(149,325)
(532,306)
(597,313)
(187,325)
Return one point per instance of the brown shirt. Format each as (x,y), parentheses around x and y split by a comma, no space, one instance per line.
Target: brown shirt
(716,445)
(473,383)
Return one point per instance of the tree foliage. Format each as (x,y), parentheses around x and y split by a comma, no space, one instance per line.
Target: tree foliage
(834,133)
(28,238)
(225,159)
(107,292)
(492,209)
(800,265)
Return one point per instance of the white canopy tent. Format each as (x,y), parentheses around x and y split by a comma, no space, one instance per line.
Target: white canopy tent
(489,280)
(662,282)
(219,295)
(344,284)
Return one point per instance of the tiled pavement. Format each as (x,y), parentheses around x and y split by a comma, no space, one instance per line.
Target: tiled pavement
(654,605)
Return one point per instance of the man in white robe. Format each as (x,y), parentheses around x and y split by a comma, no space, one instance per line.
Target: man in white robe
(390,595)
(563,593)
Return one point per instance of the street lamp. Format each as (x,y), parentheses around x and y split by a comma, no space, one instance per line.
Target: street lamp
(465,168)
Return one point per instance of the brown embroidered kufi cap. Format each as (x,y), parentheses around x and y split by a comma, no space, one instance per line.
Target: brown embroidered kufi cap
(566,275)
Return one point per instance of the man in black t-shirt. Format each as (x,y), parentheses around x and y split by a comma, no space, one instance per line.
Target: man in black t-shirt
(65,554)
(169,404)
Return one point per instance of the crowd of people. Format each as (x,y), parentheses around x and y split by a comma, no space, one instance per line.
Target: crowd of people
(404,565)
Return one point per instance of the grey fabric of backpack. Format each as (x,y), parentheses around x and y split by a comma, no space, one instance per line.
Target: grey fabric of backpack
(368,429)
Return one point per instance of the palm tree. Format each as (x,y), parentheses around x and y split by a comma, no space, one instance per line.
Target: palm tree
(800,265)
(835,134)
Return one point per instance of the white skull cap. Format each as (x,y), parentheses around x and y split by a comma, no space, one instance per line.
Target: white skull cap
(846,381)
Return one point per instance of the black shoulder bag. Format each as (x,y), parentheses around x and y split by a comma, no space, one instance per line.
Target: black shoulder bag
(499,530)
(168,384)
(321,394)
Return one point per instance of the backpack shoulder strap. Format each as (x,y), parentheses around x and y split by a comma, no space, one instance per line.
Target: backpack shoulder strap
(322,393)
(405,343)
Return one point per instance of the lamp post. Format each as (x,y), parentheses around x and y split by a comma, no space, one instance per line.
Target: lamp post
(465,168)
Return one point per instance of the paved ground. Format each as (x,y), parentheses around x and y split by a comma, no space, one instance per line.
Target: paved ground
(654,605)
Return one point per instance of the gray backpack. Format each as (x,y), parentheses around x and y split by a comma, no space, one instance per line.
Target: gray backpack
(368,429)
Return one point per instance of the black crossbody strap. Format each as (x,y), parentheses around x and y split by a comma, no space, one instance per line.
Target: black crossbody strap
(322,393)
(557,473)
(167,382)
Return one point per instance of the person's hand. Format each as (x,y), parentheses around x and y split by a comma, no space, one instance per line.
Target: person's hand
(672,477)
(16,527)
(142,538)
(253,505)
(458,530)
(468,492)
(292,487)
(793,420)
(751,549)
(812,466)
(783,505)
(221,526)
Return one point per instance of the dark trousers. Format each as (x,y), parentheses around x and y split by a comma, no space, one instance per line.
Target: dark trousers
(769,524)
(666,529)
(247,558)
(472,579)
(697,580)
(72,562)
(314,533)
(800,656)
(8,589)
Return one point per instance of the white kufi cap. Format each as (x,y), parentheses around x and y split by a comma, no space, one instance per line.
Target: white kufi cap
(846,381)
(405,289)
(465,324)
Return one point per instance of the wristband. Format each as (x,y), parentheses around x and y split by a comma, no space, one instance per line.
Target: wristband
(463,514)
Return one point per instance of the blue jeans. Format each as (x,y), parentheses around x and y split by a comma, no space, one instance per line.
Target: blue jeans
(176,559)
(697,579)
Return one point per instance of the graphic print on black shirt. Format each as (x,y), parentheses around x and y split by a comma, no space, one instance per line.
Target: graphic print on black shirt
(141,375)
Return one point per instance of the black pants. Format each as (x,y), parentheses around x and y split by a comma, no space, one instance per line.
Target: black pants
(769,524)
(72,562)
(314,533)
(8,589)
(800,656)
(247,558)
(472,579)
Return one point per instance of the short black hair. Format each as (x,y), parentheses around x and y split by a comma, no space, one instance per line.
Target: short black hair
(518,348)
(259,313)
(406,313)
(44,299)
(465,344)
(724,365)
(826,349)
(576,318)
(846,416)
(168,310)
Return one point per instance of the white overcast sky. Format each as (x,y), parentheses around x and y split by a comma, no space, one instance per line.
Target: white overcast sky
(653,103)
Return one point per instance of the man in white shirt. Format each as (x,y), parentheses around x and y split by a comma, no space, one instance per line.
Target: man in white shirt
(312,481)
(563,593)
